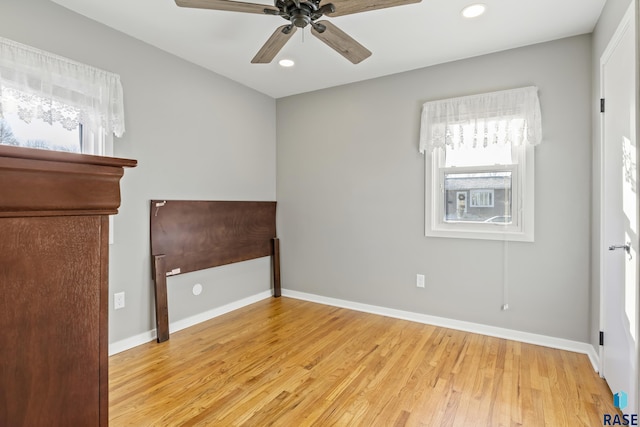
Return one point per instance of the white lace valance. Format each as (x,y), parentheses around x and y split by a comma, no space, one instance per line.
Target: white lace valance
(505,117)
(38,84)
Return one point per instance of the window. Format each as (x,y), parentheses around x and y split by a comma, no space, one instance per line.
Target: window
(480,165)
(39,134)
(51,102)
(54,103)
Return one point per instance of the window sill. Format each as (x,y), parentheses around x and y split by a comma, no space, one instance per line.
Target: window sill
(487,233)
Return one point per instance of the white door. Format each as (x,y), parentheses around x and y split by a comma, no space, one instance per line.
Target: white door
(620,214)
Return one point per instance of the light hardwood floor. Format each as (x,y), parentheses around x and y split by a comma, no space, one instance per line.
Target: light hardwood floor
(286,362)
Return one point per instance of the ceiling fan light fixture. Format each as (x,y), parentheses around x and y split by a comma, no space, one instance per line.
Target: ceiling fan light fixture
(286,63)
(474,10)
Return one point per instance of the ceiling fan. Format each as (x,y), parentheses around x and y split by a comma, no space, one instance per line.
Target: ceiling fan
(301,13)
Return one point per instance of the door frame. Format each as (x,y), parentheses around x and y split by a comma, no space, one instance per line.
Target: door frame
(631,15)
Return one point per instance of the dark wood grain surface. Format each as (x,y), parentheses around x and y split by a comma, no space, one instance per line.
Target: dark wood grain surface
(58,183)
(54,233)
(188,235)
(49,357)
(194,235)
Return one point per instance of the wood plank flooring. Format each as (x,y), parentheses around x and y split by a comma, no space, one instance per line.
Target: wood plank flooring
(285,362)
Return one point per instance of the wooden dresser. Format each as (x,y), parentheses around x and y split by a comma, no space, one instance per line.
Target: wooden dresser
(54,232)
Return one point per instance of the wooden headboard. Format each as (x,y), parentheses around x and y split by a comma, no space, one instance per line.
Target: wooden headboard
(189,235)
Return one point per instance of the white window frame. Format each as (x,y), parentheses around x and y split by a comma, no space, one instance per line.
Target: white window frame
(521,227)
(98,143)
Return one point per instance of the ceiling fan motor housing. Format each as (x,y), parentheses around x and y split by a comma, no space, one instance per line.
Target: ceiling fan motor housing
(303,13)
(300,19)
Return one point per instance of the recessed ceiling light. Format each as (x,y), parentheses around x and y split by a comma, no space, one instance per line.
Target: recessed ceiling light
(286,63)
(474,10)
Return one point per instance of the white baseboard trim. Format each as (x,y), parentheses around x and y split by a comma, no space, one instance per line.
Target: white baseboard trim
(492,331)
(145,337)
(134,341)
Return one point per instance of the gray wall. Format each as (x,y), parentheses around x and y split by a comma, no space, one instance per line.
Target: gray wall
(188,129)
(350,185)
(611,16)
(350,179)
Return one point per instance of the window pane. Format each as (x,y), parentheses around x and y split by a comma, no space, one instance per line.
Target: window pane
(39,134)
(478,197)
(493,154)
(482,143)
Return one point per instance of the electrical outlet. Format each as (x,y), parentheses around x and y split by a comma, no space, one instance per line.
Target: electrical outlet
(420,280)
(118,300)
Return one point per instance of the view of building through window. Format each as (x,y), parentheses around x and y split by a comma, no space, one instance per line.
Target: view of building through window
(478,197)
(39,134)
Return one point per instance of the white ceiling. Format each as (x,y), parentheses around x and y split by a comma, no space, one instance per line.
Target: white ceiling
(401,38)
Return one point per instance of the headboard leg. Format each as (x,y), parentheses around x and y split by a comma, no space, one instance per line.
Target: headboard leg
(160,287)
(276,267)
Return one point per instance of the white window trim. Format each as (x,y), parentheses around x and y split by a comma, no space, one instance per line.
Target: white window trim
(522,227)
(99,143)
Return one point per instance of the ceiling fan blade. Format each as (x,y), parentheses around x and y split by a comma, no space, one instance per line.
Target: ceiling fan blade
(276,42)
(233,6)
(346,7)
(341,42)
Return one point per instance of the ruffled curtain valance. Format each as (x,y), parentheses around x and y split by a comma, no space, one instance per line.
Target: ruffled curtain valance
(504,117)
(38,84)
